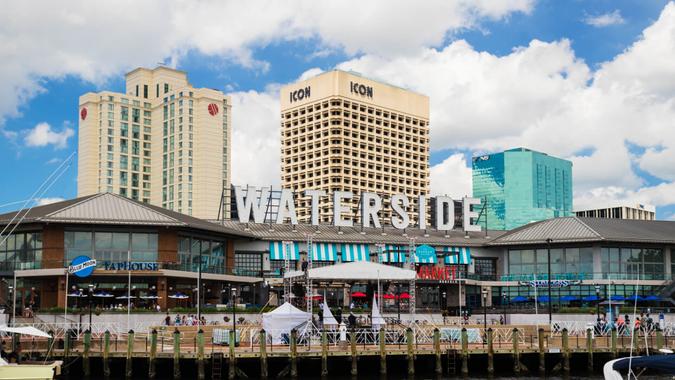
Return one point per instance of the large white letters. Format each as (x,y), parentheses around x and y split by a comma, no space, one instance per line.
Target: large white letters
(286,207)
(469,214)
(371,204)
(439,217)
(402,221)
(246,205)
(338,209)
(315,195)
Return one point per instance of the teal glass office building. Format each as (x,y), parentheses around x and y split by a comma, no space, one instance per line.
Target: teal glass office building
(521,186)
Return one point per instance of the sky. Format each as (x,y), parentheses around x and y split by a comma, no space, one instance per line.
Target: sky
(588,81)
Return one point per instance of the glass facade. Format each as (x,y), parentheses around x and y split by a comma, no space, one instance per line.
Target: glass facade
(626,263)
(521,186)
(566,263)
(110,246)
(21,250)
(212,254)
(248,263)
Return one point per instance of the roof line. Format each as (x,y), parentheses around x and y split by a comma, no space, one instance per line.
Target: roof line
(86,198)
(589,227)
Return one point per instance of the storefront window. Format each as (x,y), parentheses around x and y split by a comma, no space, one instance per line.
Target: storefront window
(111,246)
(21,250)
(212,255)
(626,263)
(567,263)
(247,263)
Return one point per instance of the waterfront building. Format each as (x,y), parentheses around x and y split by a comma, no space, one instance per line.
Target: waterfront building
(162,141)
(161,249)
(344,132)
(637,211)
(521,186)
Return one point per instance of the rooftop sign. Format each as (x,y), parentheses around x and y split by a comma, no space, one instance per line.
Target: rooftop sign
(253,202)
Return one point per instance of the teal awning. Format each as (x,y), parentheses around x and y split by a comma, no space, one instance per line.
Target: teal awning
(279,250)
(393,254)
(425,254)
(355,252)
(457,255)
(324,252)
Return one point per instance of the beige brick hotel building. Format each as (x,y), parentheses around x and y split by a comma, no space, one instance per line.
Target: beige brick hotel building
(343,132)
(162,141)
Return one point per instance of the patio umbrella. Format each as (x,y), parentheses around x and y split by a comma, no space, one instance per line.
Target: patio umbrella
(404,296)
(179,296)
(569,298)
(652,298)
(635,297)
(316,297)
(590,299)
(543,299)
(103,295)
(125,297)
(389,297)
(519,299)
(358,295)
(617,297)
(76,294)
(151,297)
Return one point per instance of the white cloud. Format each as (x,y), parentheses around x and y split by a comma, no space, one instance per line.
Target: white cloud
(46,201)
(43,135)
(451,177)
(605,19)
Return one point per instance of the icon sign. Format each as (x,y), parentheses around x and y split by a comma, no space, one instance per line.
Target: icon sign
(83,113)
(213,109)
(82,266)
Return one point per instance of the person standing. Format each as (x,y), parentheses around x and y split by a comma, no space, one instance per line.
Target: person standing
(662,320)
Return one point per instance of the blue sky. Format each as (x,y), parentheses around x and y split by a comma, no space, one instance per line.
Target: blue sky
(266,57)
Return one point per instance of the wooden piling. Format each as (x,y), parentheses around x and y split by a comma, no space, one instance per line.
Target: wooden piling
(231,363)
(130,355)
(50,341)
(659,339)
(294,354)
(152,372)
(465,352)
(490,352)
(437,351)
(542,353)
(176,354)
(566,351)
(589,348)
(613,344)
(352,342)
(410,341)
(516,352)
(66,351)
(86,368)
(106,354)
(201,375)
(263,354)
(324,354)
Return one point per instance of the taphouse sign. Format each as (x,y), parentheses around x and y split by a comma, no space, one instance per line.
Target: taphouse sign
(254,201)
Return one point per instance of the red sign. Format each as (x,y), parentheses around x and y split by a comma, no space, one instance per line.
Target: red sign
(427,272)
(83,113)
(213,109)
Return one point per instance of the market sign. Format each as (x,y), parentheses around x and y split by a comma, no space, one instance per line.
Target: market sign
(554,283)
(438,273)
(82,266)
(130,266)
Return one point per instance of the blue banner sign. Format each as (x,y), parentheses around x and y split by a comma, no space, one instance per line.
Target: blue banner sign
(554,283)
(82,266)
(130,266)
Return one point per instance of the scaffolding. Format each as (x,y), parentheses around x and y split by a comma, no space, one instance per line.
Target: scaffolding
(309,294)
(411,290)
(288,280)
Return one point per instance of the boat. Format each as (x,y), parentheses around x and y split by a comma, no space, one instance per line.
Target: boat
(46,370)
(663,364)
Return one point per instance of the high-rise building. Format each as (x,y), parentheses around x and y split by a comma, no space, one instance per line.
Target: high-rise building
(521,186)
(343,132)
(625,210)
(161,141)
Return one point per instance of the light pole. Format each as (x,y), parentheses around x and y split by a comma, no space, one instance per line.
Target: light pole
(597,300)
(484,291)
(548,261)
(504,302)
(91,293)
(10,288)
(398,301)
(444,303)
(234,315)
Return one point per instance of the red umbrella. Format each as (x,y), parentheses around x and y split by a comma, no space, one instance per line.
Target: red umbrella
(389,297)
(404,296)
(358,295)
(316,297)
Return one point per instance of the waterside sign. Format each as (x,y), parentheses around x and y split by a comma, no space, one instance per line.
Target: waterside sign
(254,201)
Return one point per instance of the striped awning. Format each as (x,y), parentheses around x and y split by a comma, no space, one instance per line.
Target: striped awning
(279,250)
(355,252)
(457,255)
(393,254)
(324,252)
(425,254)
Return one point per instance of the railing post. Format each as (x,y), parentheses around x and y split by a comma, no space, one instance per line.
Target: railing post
(410,337)
(232,363)
(465,352)
(352,342)
(50,341)
(263,354)
(294,353)
(66,351)
(106,354)
(437,352)
(516,352)
(566,351)
(324,353)
(176,354)
(542,353)
(589,347)
(490,352)
(152,372)
(659,339)
(86,369)
(200,354)
(613,344)
(130,354)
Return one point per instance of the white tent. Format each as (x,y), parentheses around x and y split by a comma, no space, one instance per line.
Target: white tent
(376,317)
(25,330)
(282,320)
(358,271)
(328,318)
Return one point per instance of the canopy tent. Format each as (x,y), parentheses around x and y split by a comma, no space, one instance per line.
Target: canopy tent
(282,320)
(376,316)
(26,330)
(358,271)
(328,318)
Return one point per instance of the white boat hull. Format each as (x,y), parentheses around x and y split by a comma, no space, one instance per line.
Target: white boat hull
(29,371)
